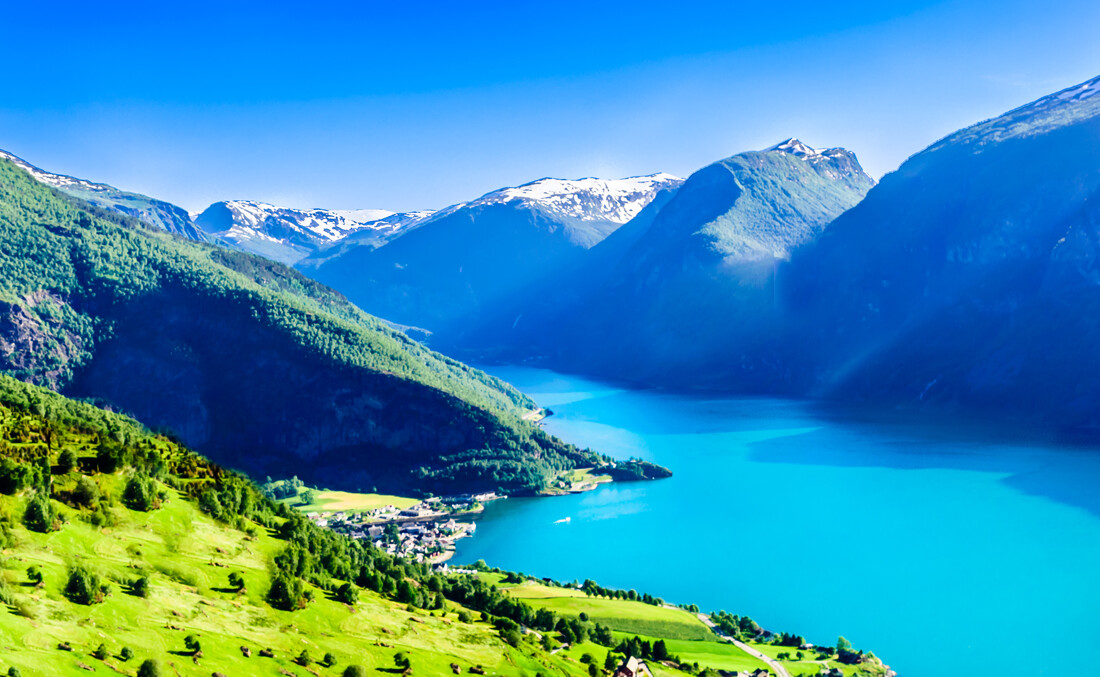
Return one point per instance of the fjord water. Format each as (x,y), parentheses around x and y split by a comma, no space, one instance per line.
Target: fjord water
(942,552)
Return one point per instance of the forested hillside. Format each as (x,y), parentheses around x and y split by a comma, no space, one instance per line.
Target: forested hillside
(244,359)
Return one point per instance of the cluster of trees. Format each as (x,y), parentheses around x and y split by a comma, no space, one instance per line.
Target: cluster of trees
(593,589)
(635,469)
(636,646)
(738,627)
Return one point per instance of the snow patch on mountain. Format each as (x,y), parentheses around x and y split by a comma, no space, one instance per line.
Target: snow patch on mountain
(56,180)
(793,146)
(588,199)
(267,221)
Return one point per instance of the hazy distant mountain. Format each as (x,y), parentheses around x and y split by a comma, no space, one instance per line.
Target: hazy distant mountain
(289,235)
(666,296)
(475,255)
(969,277)
(152,211)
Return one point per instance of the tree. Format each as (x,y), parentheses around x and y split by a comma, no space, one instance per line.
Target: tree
(40,514)
(140,493)
(14,672)
(660,651)
(83,587)
(611,662)
(126,654)
(593,670)
(192,643)
(304,659)
(101,652)
(236,581)
(308,496)
(150,668)
(347,594)
(34,574)
(139,587)
(401,660)
(355,671)
(14,476)
(843,645)
(66,462)
(329,660)
(86,493)
(286,593)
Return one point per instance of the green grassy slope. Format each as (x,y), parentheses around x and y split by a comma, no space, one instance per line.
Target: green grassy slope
(245,359)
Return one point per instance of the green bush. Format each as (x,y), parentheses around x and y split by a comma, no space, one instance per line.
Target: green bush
(86,493)
(355,671)
(66,462)
(347,593)
(84,587)
(141,493)
(150,668)
(126,654)
(286,593)
(40,515)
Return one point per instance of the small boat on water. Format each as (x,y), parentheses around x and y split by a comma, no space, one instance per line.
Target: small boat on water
(564,520)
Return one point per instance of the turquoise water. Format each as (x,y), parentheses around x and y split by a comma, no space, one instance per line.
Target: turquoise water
(942,555)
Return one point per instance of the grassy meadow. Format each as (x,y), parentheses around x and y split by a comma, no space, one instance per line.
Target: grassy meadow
(188,558)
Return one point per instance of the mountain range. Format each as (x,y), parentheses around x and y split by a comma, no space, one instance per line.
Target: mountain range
(246,359)
(478,255)
(964,281)
(664,297)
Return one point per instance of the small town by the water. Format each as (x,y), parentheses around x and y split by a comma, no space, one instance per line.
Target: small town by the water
(424,532)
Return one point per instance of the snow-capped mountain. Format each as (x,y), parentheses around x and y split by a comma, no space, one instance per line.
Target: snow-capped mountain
(157,213)
(289,235)
(588,199)
(464,258)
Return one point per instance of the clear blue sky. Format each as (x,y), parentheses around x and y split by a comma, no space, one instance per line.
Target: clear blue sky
(418,105)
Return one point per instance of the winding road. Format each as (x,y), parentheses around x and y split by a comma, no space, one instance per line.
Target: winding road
(778,669)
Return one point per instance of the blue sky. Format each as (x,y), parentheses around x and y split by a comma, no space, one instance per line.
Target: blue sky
(419,105)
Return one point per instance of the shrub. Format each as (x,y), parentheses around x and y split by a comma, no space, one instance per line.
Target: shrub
(139,587)
(14,672)
(66,462)
(126,654)
(40,514)
(286,593)
(141,493)
(192,643)
(83,587)
(401,660)
(86,493)
(150,668)
(355,671)
(304,659)
(14,476)
(34,574)
(347,593)
(329,660)
(101,652)
(236,581)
